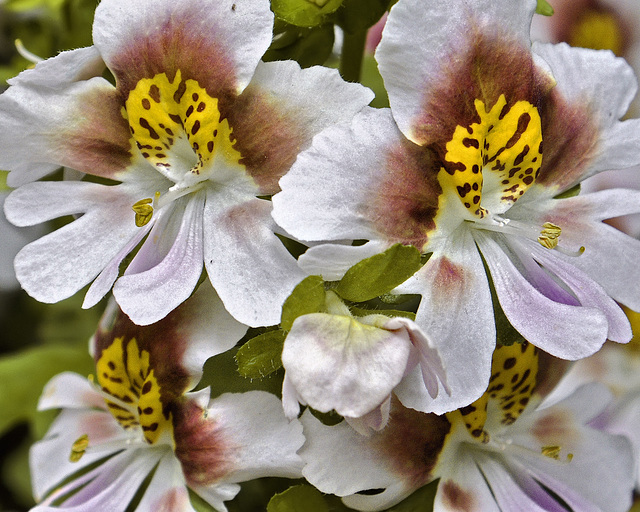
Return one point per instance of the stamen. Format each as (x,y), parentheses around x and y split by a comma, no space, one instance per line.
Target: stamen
(78,448)
(549,235)
(552,451)
(144,211)
(31,57)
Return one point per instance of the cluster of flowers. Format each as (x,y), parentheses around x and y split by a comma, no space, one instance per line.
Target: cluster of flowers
(221,192)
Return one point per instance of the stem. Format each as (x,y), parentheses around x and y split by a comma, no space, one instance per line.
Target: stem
(352,54)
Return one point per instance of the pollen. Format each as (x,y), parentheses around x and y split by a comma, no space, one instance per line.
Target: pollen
(549,235)
(78,448)
(144,211)
(552,451)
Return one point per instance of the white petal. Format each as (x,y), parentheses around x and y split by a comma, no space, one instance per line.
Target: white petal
(456,314)
(329,192)
(70,390)
(150,295)
(336,362)
(332,261)
(206,42)
(247,264)
(167,491)
(416,51)
(568,332)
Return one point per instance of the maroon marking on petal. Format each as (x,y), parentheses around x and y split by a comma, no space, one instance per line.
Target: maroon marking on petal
(406,199)
(554,427)
(165,341)
(269,136)
(456,499)
(480,67)
(450,280)
(176,43)
(205,453)
(99,140)
(570,137)
(412,441)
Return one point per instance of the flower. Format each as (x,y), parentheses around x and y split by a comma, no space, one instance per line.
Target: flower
(195,134)
(335,361)
(457,168)
(135,431)
(508,451)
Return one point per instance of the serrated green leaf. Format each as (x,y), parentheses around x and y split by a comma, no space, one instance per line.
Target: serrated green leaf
(306,298)
(379,274)
(23,376)
(300,498)
(261,356)
(304,13)
(544,8)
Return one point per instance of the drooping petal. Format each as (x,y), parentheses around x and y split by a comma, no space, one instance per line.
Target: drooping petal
(282,109)
(78,125)
(456,313)
(246,262)
(69,390)
(207,43)
(581,127)
(59,264)
(336,362)
(565,331)
(148,295)
(445,57)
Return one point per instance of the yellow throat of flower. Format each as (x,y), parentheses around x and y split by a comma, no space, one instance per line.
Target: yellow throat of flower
(490,164)
(178,128)
(126,376)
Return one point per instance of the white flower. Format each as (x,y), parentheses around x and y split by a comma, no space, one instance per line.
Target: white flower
(507,452)
(196,132)
(138,431)
(484,132)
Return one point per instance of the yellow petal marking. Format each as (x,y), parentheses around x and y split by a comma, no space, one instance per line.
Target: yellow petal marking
(129,378)
(495,161)
(514,370)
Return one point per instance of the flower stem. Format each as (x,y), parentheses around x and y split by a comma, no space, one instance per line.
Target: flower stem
(352,54)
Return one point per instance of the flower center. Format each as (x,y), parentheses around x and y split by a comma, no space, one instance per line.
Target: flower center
(178,129)
(492,163)
(133,392)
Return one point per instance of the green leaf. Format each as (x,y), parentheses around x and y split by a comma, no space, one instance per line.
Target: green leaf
(573,191)
(307,297)
(300,498)
(307,46)
(379,274)
(544,8)
(421,500)
(3,181)
(261,355)
(359,15)
(23,375)
(371,78)
(304,13)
